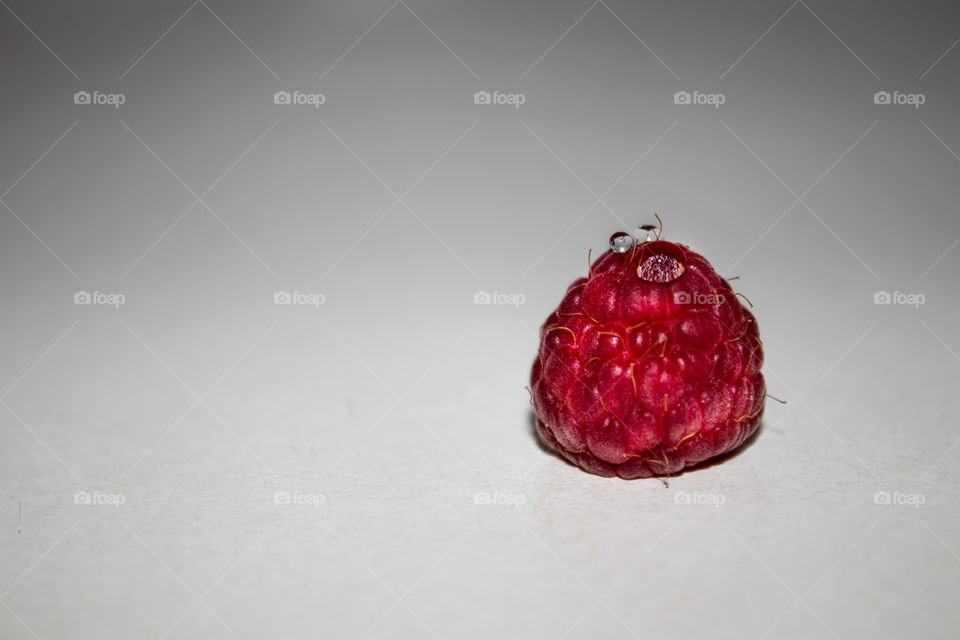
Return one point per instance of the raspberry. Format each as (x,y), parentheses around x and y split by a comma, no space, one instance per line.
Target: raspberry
(651,364)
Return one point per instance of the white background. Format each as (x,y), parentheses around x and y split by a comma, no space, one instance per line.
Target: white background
(389,407)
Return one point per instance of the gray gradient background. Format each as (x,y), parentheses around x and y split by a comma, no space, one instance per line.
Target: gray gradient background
(399,399)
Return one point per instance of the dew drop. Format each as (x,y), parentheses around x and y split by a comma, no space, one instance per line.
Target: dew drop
(648,230)
(621,242)
(660,267)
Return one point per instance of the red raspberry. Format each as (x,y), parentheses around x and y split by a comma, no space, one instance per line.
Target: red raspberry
(649,365)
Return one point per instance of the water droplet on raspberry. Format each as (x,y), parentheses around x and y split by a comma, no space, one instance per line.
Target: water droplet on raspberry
(659,267)
(648,230)
(621,242)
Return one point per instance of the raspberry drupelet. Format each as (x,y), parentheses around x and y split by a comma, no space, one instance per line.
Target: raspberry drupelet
(650,364)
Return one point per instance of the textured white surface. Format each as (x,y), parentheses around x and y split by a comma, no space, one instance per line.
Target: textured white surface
(384,412)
